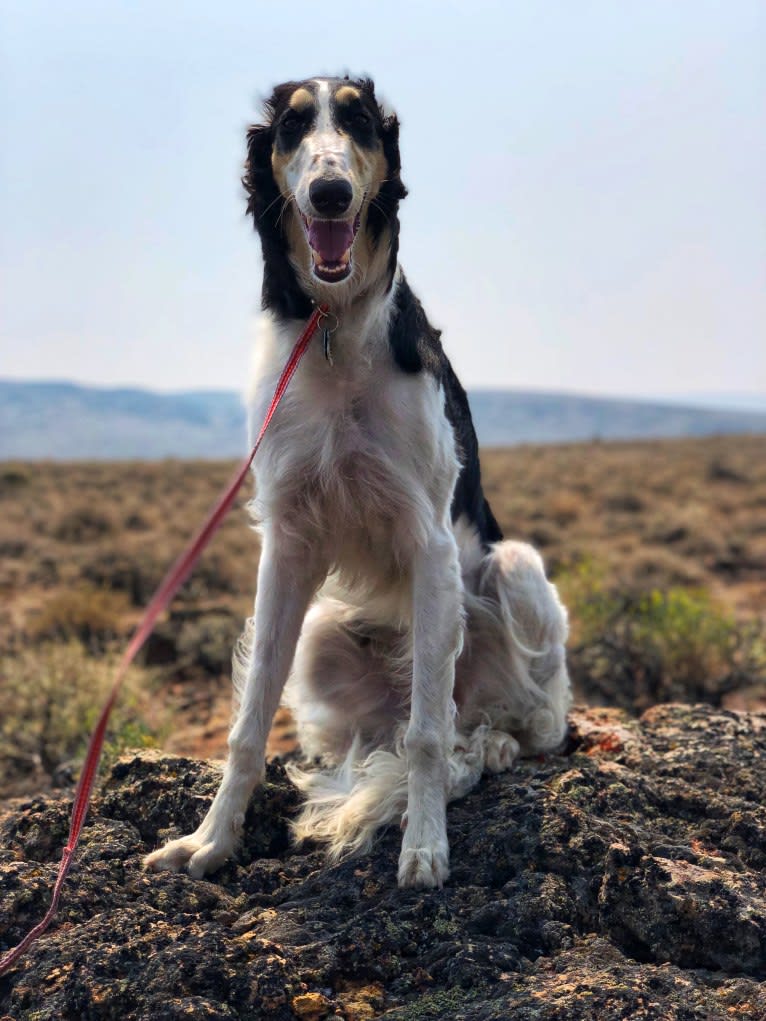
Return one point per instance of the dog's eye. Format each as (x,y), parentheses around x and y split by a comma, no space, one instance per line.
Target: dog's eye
(291,122)
(355,118)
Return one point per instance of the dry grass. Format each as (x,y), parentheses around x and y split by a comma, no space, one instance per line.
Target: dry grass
(82,547)
(52,695)
(653,514)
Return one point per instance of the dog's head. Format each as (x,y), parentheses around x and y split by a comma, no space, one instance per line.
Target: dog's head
(322,175)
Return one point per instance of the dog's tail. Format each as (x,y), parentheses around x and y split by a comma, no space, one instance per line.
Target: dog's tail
(345,807)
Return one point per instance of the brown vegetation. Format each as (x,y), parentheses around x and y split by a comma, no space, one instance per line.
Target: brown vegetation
(659,549)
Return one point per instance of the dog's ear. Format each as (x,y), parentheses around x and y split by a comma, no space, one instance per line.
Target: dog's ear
(281,291)
(393,185)
(382,216)
(258,179)
(393,188)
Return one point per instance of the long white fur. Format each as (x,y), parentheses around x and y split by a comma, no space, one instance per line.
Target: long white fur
(413,659)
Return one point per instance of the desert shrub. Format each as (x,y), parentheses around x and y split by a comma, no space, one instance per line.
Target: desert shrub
(191,645)
(138,572)
(721,470)
(542,535)
(647,568)
(624,500)
(13,478)
(691,531)
(135,521)
(637,649)
(92,615)
(206,644)
(564,507)
(81,524)
(135,574)
(210,577)
(42,569)
(590,603)
(52,697)
(12,545)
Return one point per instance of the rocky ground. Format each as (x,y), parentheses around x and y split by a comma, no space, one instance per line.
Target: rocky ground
(624,879)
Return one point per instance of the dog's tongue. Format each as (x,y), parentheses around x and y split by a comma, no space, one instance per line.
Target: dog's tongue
(331,239)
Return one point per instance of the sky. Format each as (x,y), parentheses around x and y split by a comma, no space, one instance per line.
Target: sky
(586,213)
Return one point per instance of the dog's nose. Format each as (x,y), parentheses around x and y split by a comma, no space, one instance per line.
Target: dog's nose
(330,196)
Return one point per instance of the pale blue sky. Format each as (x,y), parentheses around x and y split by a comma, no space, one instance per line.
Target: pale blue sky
(586,208)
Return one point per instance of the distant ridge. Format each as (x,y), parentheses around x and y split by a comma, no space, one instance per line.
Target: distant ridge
(65,421)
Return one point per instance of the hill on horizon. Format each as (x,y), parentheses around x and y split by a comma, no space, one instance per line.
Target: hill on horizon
(67,421)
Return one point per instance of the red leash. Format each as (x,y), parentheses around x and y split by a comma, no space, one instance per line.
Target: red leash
(172,581)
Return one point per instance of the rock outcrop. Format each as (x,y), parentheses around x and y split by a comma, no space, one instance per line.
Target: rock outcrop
(624,879)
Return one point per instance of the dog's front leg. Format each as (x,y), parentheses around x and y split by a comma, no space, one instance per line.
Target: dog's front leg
(286,584)
(437,631)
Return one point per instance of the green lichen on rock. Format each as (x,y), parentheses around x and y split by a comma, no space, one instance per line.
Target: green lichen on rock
(625,879)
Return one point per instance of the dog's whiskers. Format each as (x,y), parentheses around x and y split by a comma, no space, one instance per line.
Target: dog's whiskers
(282,211)
(269,206)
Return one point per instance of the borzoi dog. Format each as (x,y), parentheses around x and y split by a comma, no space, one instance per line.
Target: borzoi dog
(415,647)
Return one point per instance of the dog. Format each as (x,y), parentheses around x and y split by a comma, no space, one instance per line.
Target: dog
(415,646)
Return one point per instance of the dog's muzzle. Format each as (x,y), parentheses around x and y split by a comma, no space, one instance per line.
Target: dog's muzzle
(330,235)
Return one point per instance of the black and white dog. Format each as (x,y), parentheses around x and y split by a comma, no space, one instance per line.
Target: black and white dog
(415,647)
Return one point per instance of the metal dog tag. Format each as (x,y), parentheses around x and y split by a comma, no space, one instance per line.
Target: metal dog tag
(326,345)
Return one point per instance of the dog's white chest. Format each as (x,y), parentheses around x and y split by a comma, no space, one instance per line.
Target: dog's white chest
(360,462)
(347,465)
(361,459)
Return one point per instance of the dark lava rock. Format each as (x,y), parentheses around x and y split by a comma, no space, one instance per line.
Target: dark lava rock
(624,879)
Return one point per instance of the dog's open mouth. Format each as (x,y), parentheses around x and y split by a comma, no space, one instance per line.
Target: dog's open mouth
(331,242)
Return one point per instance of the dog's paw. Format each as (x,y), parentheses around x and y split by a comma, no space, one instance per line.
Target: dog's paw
(502,751)
(422,868)
(198,853)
